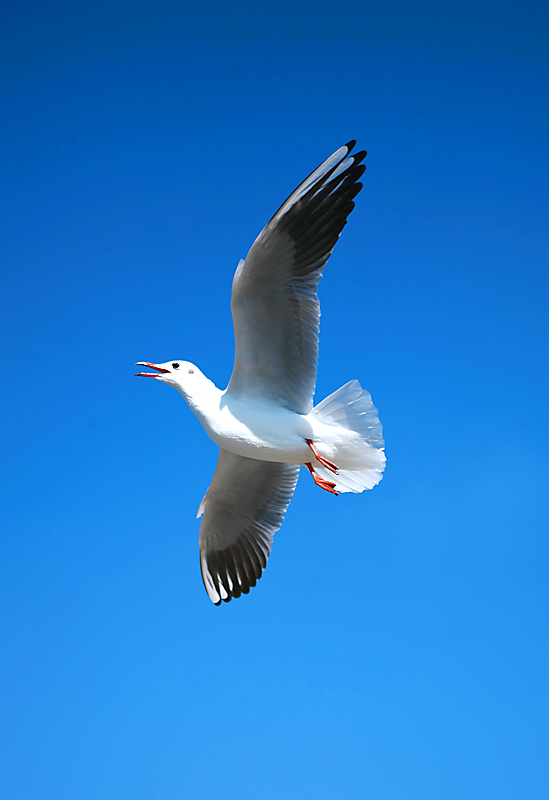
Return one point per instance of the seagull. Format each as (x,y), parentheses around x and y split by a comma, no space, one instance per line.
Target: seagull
(264,422)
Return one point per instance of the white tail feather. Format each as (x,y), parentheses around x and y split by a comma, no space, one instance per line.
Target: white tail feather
(351,407)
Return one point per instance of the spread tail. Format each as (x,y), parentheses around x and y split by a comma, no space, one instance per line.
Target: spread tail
(351,407)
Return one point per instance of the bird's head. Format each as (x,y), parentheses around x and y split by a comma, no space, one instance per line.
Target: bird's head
(183,375)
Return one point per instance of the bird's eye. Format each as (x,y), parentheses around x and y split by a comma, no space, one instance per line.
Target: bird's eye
(191,372)
(175,366)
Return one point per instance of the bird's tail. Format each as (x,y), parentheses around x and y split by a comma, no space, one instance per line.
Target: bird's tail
(351,407)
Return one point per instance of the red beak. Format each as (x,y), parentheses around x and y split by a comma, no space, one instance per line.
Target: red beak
(151,366)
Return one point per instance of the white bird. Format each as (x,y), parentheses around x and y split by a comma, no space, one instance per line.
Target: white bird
(264,421)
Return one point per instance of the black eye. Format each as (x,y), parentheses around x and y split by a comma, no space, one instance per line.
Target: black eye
(175,366)
(191,372)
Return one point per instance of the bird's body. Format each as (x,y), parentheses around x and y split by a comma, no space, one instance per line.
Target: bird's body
(264,422)
(274,433)
(266,431)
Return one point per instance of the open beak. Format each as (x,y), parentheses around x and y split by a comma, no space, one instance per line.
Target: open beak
(151,366)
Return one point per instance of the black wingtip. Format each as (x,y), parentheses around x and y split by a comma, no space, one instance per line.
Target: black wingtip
(350,145)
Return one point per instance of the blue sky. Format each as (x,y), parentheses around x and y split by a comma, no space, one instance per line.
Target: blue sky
(396,647)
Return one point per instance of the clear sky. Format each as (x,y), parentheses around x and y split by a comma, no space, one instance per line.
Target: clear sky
(396,647)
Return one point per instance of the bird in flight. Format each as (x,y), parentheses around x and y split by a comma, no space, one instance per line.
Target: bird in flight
(264,422)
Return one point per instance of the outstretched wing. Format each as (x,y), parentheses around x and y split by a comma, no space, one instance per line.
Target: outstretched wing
(274,302)
(242,510)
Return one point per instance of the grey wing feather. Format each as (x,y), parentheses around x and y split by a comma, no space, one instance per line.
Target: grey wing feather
(242,510)
(275,306)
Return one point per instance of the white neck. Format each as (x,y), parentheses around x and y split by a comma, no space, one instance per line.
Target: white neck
(204,398)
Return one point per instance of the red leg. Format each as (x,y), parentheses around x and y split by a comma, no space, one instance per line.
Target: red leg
(321,460)
(328,485)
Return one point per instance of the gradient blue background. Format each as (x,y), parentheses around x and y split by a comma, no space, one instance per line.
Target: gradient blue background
(396,647)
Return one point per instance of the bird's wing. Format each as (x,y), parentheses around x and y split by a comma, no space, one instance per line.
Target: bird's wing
(274,302)
(242,510)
